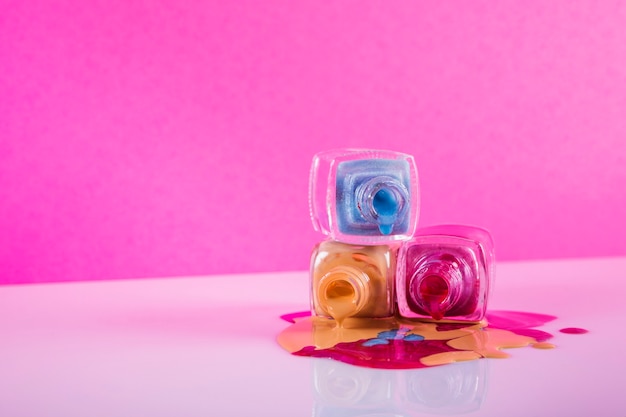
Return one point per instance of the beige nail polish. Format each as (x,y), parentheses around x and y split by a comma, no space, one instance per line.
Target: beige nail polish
(352,280)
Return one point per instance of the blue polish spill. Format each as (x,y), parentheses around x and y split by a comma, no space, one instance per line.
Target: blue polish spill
(383,338)
(375,342)
(413,338)
(388,334)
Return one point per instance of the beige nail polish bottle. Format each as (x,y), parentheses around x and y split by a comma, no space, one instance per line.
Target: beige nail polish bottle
(352,280)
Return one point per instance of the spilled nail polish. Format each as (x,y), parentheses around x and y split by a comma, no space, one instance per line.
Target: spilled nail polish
(400,343)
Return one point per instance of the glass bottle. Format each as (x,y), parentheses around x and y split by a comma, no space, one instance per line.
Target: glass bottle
(445,272)
(364,196)
(352,280)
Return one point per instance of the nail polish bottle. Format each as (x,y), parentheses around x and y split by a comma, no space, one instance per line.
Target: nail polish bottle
(352,280)
(445,272)
(364,196)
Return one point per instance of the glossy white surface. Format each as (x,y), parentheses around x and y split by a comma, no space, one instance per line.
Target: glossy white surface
(205,346)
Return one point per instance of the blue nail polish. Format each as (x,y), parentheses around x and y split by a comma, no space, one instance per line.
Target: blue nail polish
(373,197)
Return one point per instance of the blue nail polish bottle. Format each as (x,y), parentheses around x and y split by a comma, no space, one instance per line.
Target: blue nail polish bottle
(364,196)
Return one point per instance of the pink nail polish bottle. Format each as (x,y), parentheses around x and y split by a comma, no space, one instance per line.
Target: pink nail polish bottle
(445,272)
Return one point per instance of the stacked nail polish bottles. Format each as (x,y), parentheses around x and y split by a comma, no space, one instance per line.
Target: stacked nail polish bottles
(375,262)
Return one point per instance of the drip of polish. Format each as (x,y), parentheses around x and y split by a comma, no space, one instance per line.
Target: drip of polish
(340,301)
(434,290)
(385,205)
(574,330)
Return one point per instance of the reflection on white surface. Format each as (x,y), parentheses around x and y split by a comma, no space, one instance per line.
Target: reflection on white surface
(346,390)
(197,347)
(343,386)
(450,389)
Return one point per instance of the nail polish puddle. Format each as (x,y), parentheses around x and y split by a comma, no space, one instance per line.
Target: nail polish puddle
(573,330)
(401,344)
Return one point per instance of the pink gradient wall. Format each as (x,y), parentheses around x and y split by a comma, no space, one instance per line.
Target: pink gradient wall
(142,139)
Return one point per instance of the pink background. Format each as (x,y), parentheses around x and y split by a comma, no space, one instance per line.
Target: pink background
(142,139)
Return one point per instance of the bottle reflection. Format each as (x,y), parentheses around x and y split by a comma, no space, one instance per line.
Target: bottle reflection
(342,390)
(345,390)
(456,388)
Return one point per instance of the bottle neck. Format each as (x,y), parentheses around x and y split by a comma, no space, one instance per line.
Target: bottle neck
(437,285)
(343,292)
(383,201)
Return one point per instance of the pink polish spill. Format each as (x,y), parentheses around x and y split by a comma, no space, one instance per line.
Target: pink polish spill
(398,343)
(291,317)
(573,330)
(521,323)
(397,354)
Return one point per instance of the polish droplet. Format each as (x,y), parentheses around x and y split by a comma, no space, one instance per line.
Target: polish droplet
(574,330)
(385,229)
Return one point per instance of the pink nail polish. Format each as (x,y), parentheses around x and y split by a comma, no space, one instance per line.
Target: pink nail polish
(445,272)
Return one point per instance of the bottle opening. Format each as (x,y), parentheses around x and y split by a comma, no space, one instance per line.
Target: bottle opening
(434,290)
(341,299)
(340,290)
(386,206)
(385,202)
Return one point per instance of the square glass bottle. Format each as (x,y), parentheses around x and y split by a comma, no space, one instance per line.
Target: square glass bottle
(364,196)
(352,280)
(445,272)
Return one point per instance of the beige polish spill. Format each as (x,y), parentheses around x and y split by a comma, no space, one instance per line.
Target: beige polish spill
(543,345)
(449,357)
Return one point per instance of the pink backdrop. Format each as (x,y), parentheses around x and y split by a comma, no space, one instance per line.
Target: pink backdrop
(162,138)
